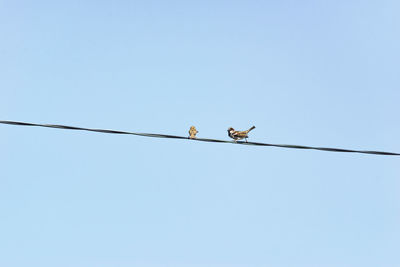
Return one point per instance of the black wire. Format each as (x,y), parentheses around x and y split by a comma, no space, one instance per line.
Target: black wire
(199,139)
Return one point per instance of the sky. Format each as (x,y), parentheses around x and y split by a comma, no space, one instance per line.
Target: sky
(318,73)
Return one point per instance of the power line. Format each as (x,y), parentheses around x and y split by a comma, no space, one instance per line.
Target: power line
(198,139)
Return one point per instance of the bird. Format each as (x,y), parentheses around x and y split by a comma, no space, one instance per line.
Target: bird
(192,132)
(238,135)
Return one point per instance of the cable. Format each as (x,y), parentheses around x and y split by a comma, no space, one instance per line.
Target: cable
(199,139)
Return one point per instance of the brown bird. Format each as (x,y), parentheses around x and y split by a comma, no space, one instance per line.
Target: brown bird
(192,132)
(238,135)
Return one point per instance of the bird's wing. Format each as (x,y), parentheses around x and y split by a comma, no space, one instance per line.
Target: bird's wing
(240,133)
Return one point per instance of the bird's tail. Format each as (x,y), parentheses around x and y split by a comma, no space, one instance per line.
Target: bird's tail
(252,128)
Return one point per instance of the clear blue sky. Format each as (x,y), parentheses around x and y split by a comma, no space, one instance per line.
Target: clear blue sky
(323,73)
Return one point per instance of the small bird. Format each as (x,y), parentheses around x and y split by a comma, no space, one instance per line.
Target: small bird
(192,132)
(238,135)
